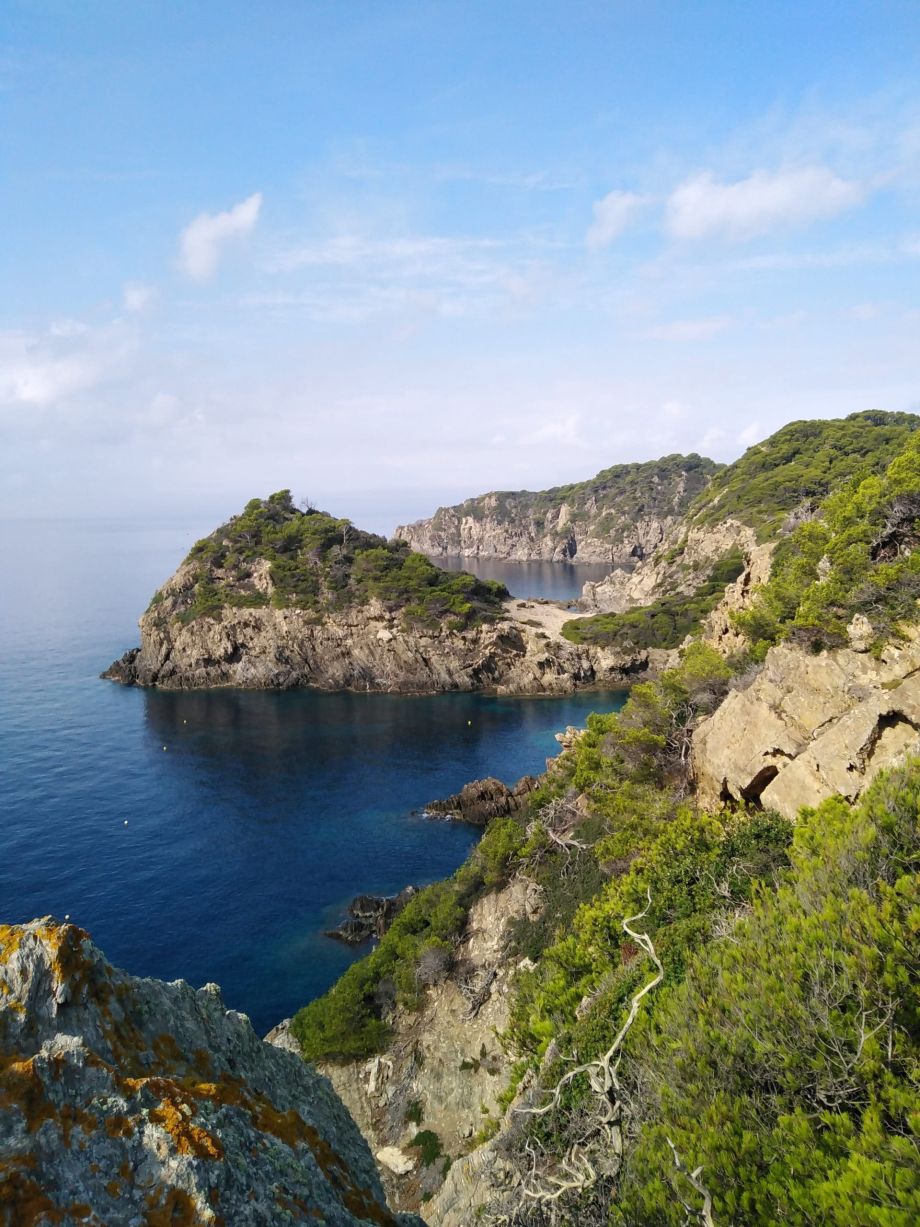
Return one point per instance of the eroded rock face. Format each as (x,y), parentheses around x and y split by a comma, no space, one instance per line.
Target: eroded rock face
(810,726)
(444,1069)
(133,1101)
(677,568)
(362,648)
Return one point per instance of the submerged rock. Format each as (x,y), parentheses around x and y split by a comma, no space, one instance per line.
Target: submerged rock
(125,1100)
(482,800)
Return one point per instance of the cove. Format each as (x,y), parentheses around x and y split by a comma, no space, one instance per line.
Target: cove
(264,813)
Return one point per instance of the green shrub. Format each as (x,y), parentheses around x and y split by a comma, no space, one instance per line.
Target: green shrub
(321,564)
(664,624)
(801,464)
(860,557)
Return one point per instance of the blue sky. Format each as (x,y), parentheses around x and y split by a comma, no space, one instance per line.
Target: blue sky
(390,254)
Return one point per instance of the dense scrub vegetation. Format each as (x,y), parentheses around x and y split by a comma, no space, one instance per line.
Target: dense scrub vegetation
(664,624)
(622,493)
(799,466)
(319,563)
(779,1051)
(859,556)
(787,1062)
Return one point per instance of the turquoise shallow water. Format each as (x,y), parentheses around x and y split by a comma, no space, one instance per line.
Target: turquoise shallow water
(261,817)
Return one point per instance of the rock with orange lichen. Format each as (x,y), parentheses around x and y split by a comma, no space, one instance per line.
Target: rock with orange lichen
(147,1104)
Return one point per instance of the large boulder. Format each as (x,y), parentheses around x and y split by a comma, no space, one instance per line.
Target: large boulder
(809,726)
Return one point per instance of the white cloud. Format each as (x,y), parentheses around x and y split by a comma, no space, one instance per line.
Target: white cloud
(612,214)
(202,239)
(135,296)
(41,368)
(690,330)
(702,206)
(750,435)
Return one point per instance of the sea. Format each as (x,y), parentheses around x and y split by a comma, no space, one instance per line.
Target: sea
(214,836)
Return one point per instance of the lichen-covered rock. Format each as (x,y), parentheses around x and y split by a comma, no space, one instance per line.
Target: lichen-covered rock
(809,726)
(130,1101)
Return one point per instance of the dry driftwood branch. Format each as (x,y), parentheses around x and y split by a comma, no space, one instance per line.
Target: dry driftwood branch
(693,1178)
(576,1171)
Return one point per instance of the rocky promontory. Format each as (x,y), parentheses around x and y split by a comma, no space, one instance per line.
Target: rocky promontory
(125,1100)
(278,598)
(620,516)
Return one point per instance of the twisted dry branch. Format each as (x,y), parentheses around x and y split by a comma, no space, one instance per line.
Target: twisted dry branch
(576,1172)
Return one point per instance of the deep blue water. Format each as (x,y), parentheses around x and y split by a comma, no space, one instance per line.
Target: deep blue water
(558,581)
(252,817)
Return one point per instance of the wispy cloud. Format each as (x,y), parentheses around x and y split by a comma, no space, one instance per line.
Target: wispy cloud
(612,214)
(702,207)
(690,330)
(136,296)
(202,240)
(41,368)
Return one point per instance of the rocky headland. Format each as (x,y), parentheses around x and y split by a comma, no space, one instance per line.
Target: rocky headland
(279,598)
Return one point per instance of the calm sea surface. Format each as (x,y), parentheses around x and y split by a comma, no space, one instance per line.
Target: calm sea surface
(559,581)
(252,817)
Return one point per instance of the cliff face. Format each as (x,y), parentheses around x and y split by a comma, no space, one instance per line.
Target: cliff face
(276,598)
(809,726)
(621,515)
(445,1069)
(367,648)
(134,1101)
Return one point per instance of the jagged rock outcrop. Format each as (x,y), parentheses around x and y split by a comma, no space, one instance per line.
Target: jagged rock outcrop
(482,800)
(811,725)
(137,1102)
(678,568)
(370,916)
(444,1070)
(621,515)
(365,647)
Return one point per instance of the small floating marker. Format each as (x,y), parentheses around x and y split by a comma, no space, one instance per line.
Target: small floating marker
(468,722)
(164,747)
(67,915)
(126,822)
(185,722)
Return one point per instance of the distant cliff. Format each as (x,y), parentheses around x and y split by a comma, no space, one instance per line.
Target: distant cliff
(132,1101)
(621,515)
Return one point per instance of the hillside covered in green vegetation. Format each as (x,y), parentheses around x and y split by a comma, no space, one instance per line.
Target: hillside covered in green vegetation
(321,564)
(663,624)
(799,466)
(715,1014)
(624,491)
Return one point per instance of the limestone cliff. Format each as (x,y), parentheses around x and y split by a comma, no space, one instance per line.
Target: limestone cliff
(133,1101)
(621,515)
(810,725)
(370,648)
